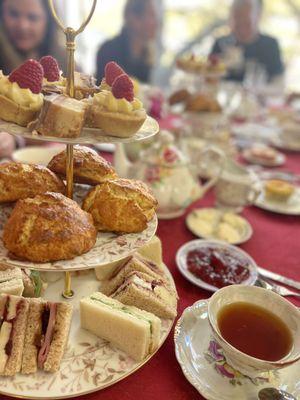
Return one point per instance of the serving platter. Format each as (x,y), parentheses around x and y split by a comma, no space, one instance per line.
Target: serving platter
(290,207)
(181,261)
(109,247)
(205,367)
(89,363)
(282,143)
(88,135)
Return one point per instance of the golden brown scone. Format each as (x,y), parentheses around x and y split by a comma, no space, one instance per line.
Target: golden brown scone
(121,205)
(19,181)
(89,167)
(48,227)
(202,102)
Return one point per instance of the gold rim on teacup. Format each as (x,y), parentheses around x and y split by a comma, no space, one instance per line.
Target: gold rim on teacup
(269,300)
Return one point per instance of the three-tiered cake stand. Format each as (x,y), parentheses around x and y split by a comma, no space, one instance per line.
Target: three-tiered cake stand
(89,363)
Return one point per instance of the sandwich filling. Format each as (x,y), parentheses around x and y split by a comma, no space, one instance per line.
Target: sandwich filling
(8,313)
(134,260)
(43,342)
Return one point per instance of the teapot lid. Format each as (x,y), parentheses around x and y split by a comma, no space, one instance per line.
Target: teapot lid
(164,152)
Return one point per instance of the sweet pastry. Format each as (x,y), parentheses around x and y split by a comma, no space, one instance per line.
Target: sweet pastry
(202,103)
(180,96)
(278,190)
(89,167)
(117,112)
(195,64)
(61,116)
(266,154)
(19,181)
(20,93)
(121,205)
(48,227)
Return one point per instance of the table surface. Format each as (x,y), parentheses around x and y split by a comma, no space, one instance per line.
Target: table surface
(274,245)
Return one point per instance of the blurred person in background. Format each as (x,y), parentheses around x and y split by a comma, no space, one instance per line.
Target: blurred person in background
(246,46)
(133,48)
(28,30)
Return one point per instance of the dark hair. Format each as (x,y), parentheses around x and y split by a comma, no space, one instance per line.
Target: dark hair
(50,31)
(136,7)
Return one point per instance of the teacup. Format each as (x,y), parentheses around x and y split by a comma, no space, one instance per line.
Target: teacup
(269,300)
(236,188)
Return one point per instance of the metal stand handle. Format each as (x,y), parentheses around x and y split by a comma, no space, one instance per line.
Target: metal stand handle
(71,47)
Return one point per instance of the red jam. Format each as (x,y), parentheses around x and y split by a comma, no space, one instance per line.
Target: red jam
(217,267)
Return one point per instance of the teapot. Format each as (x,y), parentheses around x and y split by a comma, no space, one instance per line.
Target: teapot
(169,173)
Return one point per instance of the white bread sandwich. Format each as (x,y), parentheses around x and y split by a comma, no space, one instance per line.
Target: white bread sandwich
(148,293)
(13,318)
(152,251)
(133,263)
(11,280)
(133,331)
(46,335)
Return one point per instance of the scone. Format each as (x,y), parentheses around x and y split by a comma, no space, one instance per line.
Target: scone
(202,103)
(117,112)
(89,167)
(19,181)
(61,116)
(48,227)
(20,93)
(121,205)
(278,190)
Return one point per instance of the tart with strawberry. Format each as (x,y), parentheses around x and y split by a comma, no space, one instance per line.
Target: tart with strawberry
(20,93)
(117,112)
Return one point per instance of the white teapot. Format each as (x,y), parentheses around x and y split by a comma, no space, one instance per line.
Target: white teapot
(169,173)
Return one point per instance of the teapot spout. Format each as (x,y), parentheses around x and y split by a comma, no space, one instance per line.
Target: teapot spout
(122,164)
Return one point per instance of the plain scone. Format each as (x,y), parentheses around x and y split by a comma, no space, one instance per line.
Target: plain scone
(89,167)
(121,205)
(48,227)
(19,181)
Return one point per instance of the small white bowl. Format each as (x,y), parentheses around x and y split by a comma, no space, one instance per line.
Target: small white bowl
(40,155)
(267,299)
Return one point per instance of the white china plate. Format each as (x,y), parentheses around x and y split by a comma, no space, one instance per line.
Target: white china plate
(108,248)
(277,162)
(107,147)
(88,135)
(283,144)
(205,366)
(290,207)
(89,364)
(40,155)
(196,244)
(245,231)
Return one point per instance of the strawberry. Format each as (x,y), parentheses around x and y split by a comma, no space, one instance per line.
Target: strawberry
(51,68)
(123,88)
(112,71)
(28,76)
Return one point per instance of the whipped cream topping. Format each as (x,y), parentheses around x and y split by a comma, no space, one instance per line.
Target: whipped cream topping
(23,97)
(106,100)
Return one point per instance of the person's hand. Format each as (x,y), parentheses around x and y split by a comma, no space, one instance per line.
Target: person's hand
(7,144)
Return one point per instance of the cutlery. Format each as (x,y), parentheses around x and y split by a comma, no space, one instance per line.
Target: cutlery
(278,278)
(282,291)
(274,394)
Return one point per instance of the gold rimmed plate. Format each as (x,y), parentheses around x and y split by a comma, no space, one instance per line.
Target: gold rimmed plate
(88,136)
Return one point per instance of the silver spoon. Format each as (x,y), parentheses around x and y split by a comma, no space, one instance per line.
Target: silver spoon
(283,291)
(274,394)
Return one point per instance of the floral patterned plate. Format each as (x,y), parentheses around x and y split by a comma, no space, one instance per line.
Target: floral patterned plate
(108,248)
(89,364)
(205,367)
(88,135)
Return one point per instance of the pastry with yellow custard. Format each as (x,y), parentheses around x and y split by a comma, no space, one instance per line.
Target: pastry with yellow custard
(117,112)
(20,93)
(278,190)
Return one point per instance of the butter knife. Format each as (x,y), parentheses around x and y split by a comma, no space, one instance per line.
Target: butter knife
(279,278)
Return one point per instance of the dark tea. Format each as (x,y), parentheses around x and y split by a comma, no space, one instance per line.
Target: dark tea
(255,331)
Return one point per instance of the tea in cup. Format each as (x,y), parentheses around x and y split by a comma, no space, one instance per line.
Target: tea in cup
(258,330)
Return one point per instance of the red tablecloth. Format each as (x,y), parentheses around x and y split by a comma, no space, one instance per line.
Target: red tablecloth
(275,245)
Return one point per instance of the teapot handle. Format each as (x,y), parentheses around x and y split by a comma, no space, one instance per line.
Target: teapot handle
(222,158)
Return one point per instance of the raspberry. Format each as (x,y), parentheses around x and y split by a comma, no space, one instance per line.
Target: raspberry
(51,68)
(112,71)
(123,88)
(28,76)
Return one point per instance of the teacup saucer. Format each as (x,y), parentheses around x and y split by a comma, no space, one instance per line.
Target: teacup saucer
(205,367)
